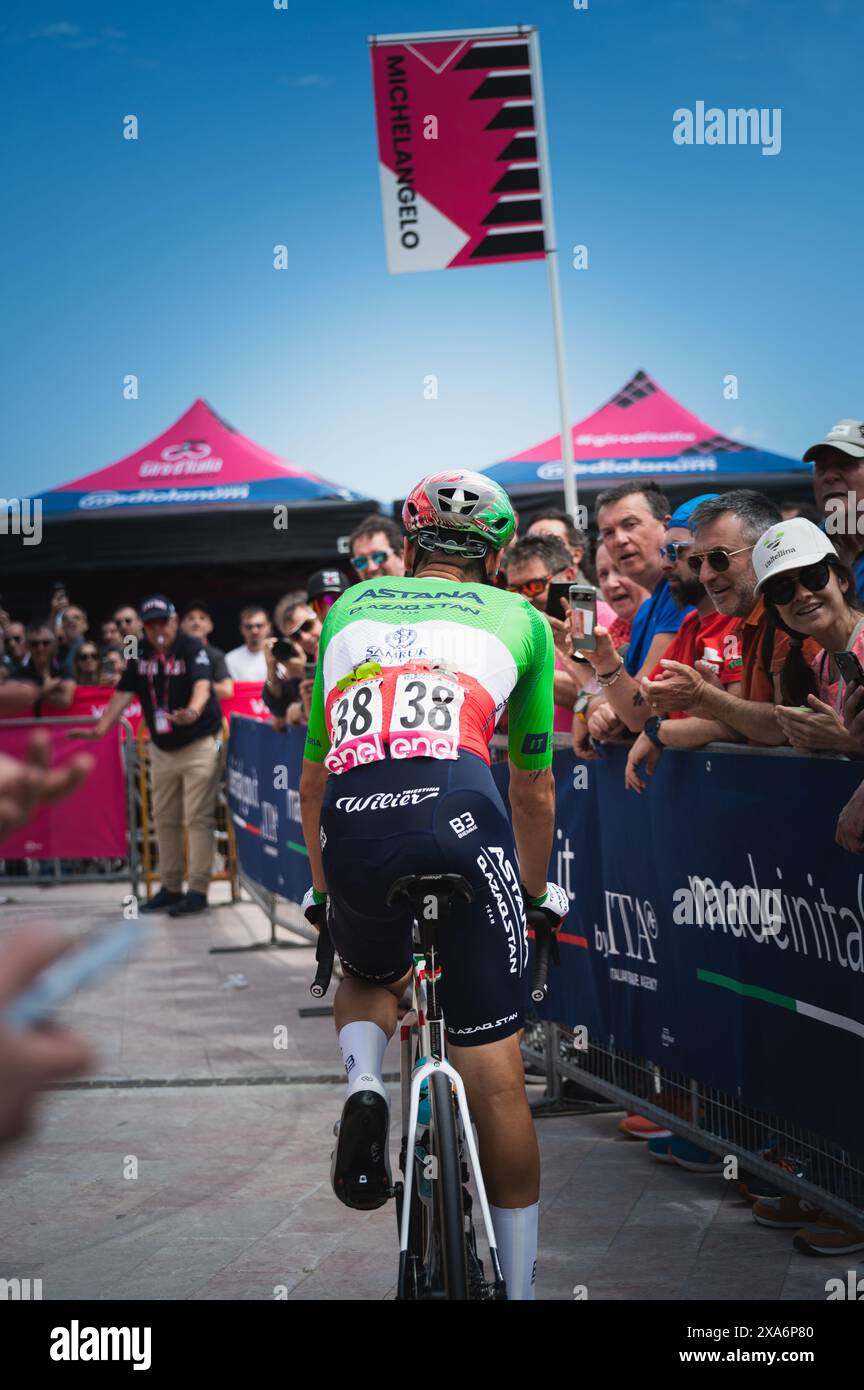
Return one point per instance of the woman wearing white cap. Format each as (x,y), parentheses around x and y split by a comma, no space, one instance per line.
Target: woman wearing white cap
(811,593)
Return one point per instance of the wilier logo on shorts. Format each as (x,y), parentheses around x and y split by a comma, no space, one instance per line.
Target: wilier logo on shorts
(463,825)
(382,801)
(534,744)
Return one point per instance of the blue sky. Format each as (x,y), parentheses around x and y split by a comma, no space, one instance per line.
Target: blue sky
(256,127)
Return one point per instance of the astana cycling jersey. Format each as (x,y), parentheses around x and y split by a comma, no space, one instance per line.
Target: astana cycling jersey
(424,668)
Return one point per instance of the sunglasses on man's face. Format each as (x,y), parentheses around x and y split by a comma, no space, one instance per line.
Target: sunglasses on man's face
(717,559)
(306,626)
(672,551)
(531,587)
(378,557)
(781,589)
(41,642)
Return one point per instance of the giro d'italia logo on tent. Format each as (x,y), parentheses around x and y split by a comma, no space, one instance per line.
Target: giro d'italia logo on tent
(191,457)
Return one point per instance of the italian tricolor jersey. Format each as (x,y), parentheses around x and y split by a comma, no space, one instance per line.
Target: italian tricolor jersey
(424,668)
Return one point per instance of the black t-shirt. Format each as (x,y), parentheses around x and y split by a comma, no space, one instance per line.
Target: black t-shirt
(217,661)
(171,679)
(26,671)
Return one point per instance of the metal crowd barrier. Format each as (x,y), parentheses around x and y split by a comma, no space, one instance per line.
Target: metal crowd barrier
(812,1167)
(280,912)
(50,872)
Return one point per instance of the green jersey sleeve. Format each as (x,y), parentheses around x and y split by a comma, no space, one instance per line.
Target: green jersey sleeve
(530,709)
(317,738)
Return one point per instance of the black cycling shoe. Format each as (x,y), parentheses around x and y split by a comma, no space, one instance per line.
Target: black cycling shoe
(360,1171)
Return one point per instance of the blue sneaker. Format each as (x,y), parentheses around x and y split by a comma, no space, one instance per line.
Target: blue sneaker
(692,1158)
(671,1148)
(660,1147)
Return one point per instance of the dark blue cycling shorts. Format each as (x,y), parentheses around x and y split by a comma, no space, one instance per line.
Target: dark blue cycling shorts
(387,819)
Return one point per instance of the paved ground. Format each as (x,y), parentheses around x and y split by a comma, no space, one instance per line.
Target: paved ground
(211,1182)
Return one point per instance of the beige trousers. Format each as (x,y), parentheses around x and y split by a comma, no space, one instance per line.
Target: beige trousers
(186,779)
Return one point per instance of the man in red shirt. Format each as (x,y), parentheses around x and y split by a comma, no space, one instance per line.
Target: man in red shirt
(725,532)
(701,634)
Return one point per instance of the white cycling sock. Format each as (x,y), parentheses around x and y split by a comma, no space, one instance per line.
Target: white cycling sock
(363,1045)
(516,1233)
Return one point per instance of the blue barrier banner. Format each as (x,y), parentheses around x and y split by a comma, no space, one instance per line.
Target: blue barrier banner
(263,780)
(716,928)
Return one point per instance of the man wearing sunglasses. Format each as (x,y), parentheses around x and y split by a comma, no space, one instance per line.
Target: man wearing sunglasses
(16,643)
(40,668)
(172,676)
(725,532)
(249,662)
(324,588)
(702,631)
(376,548)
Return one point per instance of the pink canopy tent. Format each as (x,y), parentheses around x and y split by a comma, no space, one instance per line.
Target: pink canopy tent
(644,432)
(198,463)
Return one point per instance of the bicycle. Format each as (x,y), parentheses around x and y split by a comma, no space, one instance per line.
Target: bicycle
(438,1254)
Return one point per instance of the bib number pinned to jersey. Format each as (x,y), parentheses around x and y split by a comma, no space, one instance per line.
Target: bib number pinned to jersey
(356,720)
(424,721)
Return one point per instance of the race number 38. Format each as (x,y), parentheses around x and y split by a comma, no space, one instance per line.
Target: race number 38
(426,705)
(357,714)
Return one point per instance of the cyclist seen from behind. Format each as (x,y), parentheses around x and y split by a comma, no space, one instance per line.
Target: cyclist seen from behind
(413,675)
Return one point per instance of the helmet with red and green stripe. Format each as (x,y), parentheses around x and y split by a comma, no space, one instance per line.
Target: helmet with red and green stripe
(461,501)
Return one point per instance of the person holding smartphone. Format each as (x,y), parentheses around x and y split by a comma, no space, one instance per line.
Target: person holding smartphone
(811,593)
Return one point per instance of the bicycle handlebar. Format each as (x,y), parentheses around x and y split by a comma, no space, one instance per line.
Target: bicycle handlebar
(324,954)
(545,952)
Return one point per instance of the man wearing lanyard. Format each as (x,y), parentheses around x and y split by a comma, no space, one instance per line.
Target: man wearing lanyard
(173,678)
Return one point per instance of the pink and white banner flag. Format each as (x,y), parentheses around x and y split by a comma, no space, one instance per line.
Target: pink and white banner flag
(457,140)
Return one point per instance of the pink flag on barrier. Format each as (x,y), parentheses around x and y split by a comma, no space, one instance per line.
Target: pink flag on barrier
(458,148)
(89,824)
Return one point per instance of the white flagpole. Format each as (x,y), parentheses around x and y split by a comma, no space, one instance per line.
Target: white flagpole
(570,493)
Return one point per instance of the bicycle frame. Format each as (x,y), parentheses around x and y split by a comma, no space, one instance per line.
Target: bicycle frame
(433,1048)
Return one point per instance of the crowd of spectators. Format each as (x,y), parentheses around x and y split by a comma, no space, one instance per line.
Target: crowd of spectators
(691,646)
(718,619)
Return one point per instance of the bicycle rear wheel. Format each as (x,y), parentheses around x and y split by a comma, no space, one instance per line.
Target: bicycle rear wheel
(449,1212)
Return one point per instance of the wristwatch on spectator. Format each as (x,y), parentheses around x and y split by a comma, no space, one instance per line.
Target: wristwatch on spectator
(650,730)
(581,703)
